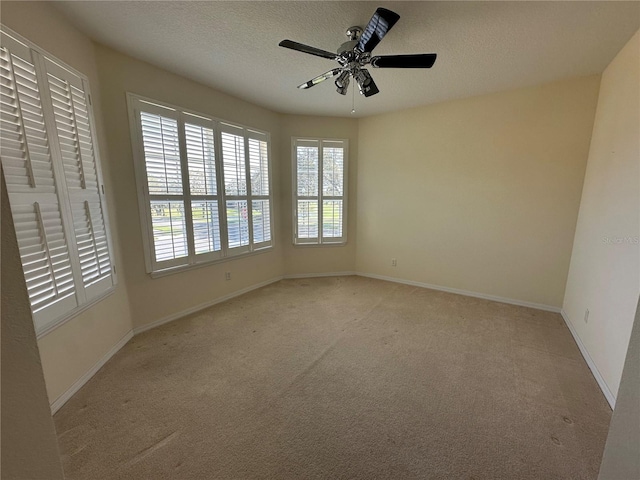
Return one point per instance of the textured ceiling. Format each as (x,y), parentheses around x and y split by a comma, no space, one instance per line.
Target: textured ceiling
(482,46)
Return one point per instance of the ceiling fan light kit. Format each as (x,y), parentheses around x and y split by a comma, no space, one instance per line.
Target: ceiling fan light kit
(354,54)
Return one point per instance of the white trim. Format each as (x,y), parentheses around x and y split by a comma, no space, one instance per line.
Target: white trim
(467,293)
(592,365)
(78,384)
(202,306)
(319,245)
(314,275)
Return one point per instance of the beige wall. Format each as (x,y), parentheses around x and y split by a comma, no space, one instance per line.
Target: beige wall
(621,457)
(155,299)
(605,274)
(312,259)
(29,443)
(479,194)
(72,349)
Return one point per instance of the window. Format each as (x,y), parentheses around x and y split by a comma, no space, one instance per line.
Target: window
(51,165)
(319,186)
(203,186)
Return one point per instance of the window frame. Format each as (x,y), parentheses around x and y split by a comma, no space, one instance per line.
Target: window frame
(192,260)
(320,241)
(89,295)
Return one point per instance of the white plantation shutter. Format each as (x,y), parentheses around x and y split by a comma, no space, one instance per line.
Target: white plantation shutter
(258,149)
(320,191)
(332,189)
(164,185)
(29,174)
(233,159)
(235,189)
(34,156)
(307,195)
(45,259)
(204,186)
(162,154)
(77,150)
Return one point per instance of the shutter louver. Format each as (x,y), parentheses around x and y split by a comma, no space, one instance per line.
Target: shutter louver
(75,140)
(201,160)
(235,179)
(169,230)
(206,226)
(237,223)
(25,145)
(261,221)
(44,254)
(162,154)
(258,164)
(332,218)
(307,171)
(307,219)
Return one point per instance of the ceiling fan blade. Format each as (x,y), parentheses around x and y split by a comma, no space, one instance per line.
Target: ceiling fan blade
(423,60)
(377,28)
(320,78)
(300,47)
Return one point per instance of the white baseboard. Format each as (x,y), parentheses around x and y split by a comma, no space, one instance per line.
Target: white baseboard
(592,366)
(202,306)
(494,298)
(314,275)
(78,384)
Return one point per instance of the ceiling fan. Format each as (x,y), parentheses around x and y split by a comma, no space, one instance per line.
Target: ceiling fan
(355,53)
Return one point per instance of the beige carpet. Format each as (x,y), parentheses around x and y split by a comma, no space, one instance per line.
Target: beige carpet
(347,378)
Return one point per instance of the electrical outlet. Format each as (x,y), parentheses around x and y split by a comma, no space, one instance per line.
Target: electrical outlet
(394,262)
(586,316)
(227,275)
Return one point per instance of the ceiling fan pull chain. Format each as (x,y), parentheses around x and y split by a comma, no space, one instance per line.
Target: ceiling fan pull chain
(353,101)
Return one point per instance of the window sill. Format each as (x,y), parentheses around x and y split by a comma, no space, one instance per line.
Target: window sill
(183,268)
(316,245)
